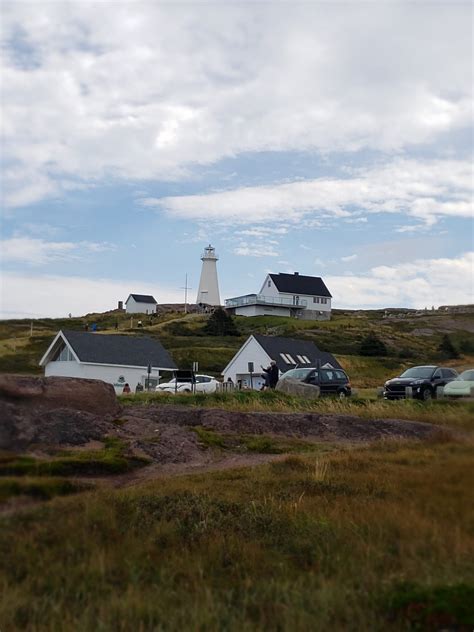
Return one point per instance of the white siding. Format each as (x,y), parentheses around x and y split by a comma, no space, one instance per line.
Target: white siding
(261,310)
(310,305)
(237,368)
(132,307)
(269,290)
(105,372)
(64,369)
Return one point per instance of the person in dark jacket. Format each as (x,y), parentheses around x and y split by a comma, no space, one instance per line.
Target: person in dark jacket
(274,374)
(270,375)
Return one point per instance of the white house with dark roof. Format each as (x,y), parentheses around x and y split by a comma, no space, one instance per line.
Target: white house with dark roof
(140,304)
(117,360)
(281,294)
(288,353)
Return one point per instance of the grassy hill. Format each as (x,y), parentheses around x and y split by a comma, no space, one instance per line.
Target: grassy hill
(410,339)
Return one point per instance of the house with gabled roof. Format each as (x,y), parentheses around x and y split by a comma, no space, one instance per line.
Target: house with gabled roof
(140,304)
(115,359)
(281,294)
(288,353)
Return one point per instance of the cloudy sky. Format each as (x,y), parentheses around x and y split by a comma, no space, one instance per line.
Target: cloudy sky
(329,138)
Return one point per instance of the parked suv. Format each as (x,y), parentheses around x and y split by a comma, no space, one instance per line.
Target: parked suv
(330,381)
(423,380)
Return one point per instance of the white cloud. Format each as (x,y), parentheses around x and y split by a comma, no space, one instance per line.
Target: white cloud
(349,258)
(24,296)
(420,283)
(424,191)
(134,90)
(256,250)
(32,251)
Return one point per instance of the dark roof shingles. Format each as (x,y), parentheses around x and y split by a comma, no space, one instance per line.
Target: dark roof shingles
(143,298)
(121,350)
(274,345)
(300,284)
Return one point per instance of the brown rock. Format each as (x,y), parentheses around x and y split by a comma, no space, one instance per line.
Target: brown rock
(300,389)
(48,393)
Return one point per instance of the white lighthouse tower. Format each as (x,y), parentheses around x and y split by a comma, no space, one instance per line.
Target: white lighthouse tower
(208,292)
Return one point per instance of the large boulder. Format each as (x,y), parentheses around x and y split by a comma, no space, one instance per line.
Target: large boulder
(300,389)
(54,410)
(49,393)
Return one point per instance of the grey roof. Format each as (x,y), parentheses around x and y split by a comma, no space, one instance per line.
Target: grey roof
(121,350)
(274,345)
(300,284)
(142,298)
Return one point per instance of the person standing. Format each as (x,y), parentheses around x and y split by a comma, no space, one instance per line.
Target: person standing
(274,374)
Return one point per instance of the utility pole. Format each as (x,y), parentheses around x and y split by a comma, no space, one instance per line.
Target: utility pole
(186,288)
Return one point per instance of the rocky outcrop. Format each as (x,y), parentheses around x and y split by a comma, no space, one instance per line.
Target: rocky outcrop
(53,410)
(298,388)
(49,393)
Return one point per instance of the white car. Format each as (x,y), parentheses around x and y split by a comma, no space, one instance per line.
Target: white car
(462,386)
(204,384)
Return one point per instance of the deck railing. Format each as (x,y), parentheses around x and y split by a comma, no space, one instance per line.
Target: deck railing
(261,299)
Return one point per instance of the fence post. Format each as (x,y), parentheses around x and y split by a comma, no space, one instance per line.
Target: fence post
(408,392)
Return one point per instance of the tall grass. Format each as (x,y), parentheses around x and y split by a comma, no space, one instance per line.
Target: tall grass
(358,540)
(444,412)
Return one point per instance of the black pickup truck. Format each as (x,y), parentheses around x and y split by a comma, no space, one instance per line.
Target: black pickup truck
(423,381)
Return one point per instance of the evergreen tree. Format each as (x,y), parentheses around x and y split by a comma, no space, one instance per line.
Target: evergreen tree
(371,345)
(447,349)
(220,323)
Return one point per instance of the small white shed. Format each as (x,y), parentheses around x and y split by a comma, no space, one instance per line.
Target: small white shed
(140,304)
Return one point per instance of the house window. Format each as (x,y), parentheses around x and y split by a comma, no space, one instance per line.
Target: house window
(324,300)
(300,359)
(306,359)
(315,299)
(63,355)
(269,284)
(287,358)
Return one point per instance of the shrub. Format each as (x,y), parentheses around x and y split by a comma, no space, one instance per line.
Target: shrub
(221,323)
(446,348)
(371,345)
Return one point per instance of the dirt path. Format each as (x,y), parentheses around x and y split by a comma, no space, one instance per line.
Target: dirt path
(159,471)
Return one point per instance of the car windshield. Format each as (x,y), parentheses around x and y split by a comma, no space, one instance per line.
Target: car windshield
(466,376)
(297,374)
(420,372)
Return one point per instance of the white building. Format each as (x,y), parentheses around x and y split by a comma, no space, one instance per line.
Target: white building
(208,292)
(117,360)
(140,304)
(258,351)
(294,295)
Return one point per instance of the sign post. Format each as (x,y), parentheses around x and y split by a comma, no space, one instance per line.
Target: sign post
(251,369)
(195,370)
(149,373)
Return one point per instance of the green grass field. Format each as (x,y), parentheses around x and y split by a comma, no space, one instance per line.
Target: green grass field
(326,537)
(377,538)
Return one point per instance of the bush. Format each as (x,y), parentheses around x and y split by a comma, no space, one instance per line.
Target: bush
(371,345)
(446,348)
(221,323)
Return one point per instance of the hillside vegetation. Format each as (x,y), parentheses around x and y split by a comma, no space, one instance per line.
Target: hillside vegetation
(408,340)
(374,538)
